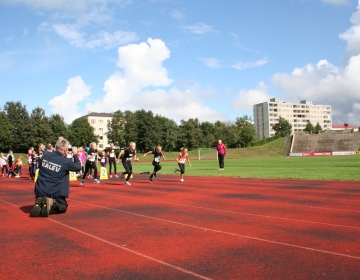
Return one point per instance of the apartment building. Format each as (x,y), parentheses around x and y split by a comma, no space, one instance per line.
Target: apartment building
(100,121)
(267,114)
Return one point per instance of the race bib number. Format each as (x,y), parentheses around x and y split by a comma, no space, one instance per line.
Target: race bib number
(103,173)
(72,176)
(102,160)
(157,159)
(129,159)
(182,160)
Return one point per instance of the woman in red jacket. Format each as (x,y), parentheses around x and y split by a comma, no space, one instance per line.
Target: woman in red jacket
(221,149)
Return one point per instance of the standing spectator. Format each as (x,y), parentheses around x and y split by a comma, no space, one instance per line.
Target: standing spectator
(10,158)
(29,160)
(52,185)
(34,162)
(112,158)
(221,149)
(3,165)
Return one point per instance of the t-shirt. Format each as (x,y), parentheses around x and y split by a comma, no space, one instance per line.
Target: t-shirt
(112,152)
(157,155)
(93,153)
(128,155)
(10,158)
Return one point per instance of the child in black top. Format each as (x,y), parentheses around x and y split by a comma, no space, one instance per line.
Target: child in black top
(112,159)
(128,155)
(158,154)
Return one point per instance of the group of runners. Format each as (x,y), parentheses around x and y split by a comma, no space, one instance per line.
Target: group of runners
(126,157)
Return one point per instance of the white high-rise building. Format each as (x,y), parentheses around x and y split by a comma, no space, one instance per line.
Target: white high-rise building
(267,114)
(99,122)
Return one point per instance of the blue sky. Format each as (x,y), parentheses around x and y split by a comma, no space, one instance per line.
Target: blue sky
(179,58)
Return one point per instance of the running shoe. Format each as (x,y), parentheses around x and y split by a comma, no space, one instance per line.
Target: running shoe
(181,180)
(127,183)
(96,181)
(110,176)
(175,170)
(150,180)
(82,182)
(116,176)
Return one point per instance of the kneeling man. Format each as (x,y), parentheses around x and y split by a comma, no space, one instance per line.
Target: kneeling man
(52,184)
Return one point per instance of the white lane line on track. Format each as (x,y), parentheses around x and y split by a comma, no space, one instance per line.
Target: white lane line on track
(233,212)
(223,232)
(122,248)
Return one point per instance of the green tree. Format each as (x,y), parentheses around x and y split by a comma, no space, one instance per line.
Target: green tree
(6,133)
(40,123)
(317,128)
(282,127)
(81,133)
(309,127)
(190,134)
(58,127)
(116,128)
(23,130)
(130,132)
(169,132)
(148,133)
(208,131)
(247,132)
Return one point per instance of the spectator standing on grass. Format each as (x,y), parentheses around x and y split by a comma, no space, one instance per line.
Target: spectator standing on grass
(158,154)
(112,159)
(181,160)
(127,156)
(3,166)
(221,150)
(91,162)
(52,185)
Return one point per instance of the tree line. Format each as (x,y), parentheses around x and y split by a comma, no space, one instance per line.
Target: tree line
(21,130)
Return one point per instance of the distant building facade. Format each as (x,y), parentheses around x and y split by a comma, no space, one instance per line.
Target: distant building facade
(267,114)
(100,121)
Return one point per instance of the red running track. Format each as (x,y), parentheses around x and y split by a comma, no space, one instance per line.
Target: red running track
(203,228)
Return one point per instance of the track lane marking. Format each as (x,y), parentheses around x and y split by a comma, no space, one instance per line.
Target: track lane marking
(123,248)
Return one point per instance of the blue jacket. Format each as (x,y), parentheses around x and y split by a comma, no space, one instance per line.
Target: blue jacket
(53,179)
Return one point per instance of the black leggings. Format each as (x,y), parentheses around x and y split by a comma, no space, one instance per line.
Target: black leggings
(4,168)
(88,165)
(157,167)
(128,169)
(112,161)
(221,160)
(182,168)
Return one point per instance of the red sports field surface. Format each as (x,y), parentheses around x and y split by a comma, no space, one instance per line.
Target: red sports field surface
(205,227)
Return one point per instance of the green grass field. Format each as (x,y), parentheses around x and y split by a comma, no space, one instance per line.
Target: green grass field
(259,162)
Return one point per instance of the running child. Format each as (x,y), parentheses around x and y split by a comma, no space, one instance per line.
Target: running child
(127,156)
(90,162)
(158,154)
(112,159)
(181,159)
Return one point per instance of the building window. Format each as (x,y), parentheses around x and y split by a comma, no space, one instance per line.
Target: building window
(100,137)
(100,146)
(93,121)
(101,121)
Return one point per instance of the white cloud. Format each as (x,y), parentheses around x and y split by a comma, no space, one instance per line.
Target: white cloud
(143,83)
(199,28)
(252,64)
(211,62)
(336,2)
(176,14)
(66,104)
(247,98)
(101,40)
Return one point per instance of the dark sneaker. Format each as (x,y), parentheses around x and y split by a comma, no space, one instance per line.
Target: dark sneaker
(35,212)
(46,206)
(150,180)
